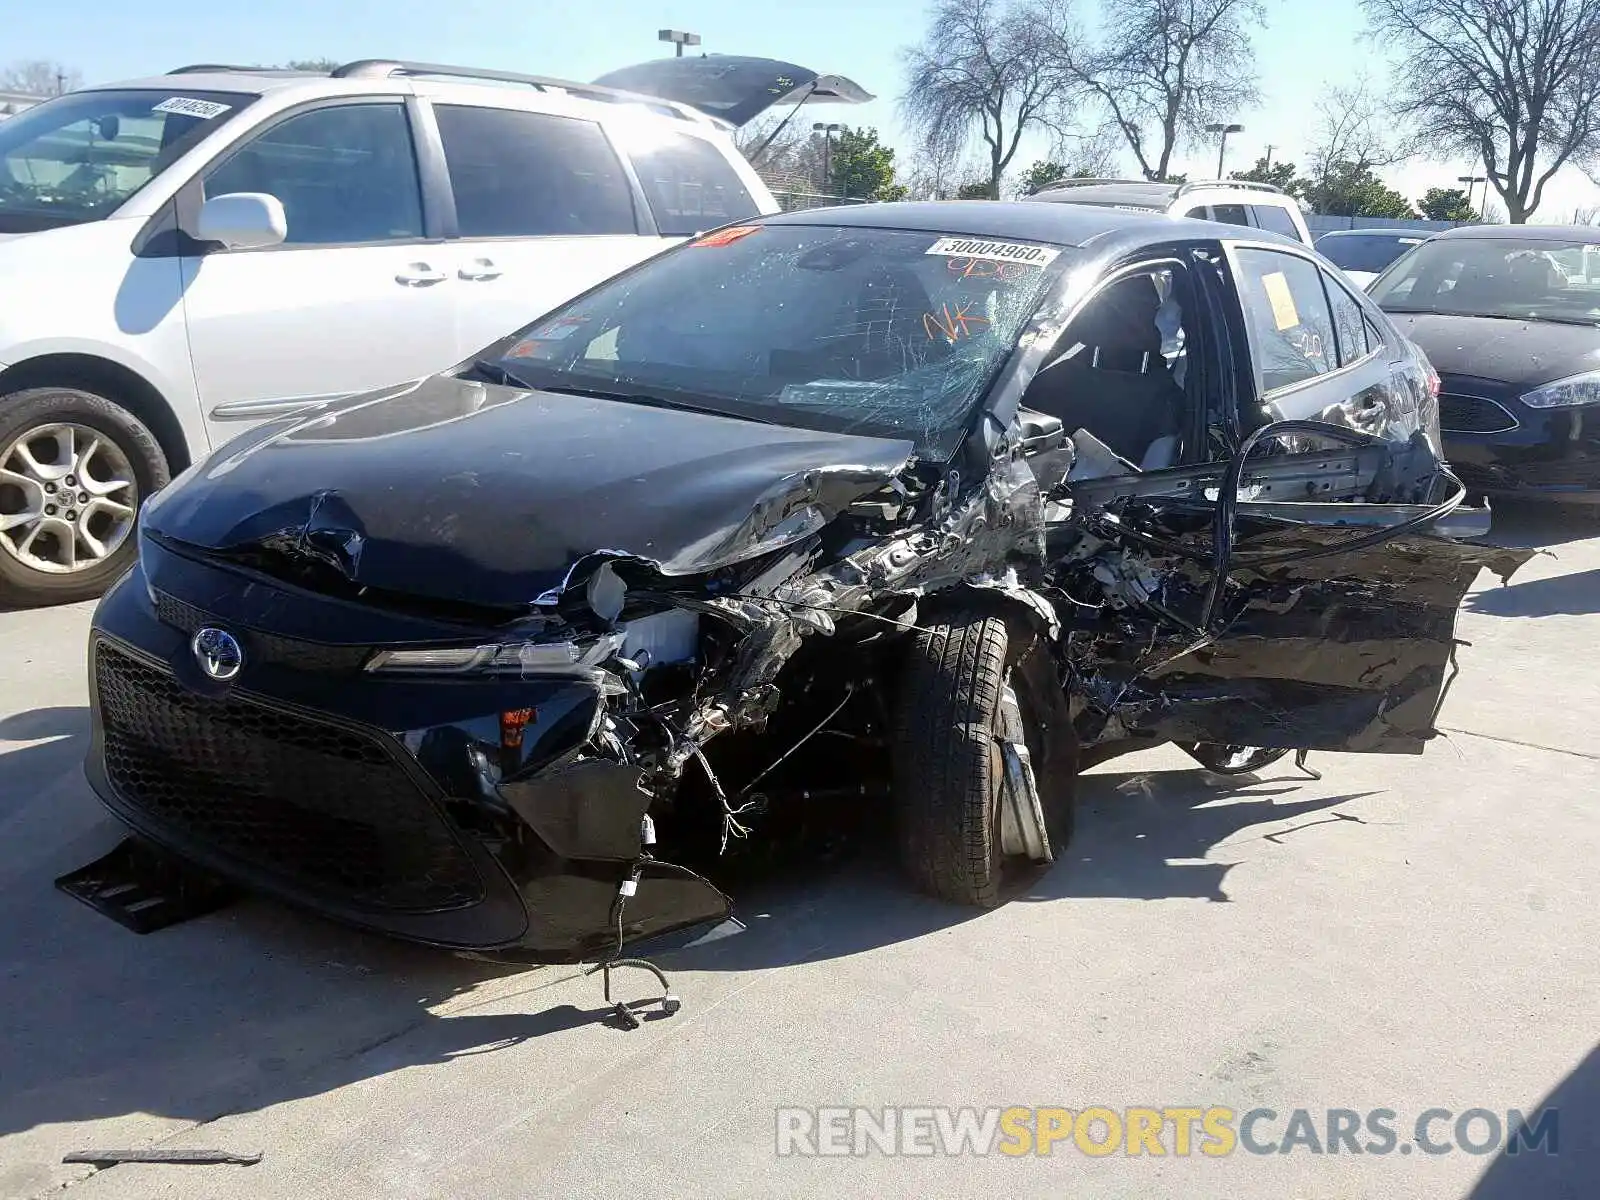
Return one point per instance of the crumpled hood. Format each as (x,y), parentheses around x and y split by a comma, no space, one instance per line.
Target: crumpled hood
(488,495)
(1522,353)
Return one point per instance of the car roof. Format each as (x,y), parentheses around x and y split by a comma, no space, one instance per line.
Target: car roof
(1423,234)
(1153,195)
(1523,233)
(1061,224)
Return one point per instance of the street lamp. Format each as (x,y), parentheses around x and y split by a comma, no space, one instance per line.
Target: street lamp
(1224,130)
(678,38)
(1470,180)
(827,131)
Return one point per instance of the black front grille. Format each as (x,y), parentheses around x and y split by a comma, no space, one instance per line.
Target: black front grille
(1473,414)
(294,653)
(325,810)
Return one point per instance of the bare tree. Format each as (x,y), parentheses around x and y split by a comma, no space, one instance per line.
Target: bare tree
(1515,83)
(39,78)
(1356,129)
(983,67)
(1163,68)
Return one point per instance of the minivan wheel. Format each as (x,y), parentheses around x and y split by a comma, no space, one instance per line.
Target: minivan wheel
(74,468)
(950,756)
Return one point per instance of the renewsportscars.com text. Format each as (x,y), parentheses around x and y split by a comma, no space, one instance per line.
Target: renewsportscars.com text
(1178,1131)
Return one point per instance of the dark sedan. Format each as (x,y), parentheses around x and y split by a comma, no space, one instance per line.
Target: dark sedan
(1509,316)
(921,505)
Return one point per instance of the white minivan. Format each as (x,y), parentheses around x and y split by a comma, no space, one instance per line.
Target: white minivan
(183,256)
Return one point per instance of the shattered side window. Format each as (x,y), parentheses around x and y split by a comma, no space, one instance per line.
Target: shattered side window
(884,332)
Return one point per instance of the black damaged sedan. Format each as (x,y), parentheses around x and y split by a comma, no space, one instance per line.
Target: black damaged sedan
(925,505)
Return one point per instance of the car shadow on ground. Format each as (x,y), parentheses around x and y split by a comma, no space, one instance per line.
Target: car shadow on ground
(59,737)
(1555,595)
(1137,836)
(1534,524)
(256,1005)
(1566,1170)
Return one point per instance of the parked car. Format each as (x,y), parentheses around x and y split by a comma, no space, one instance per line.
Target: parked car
(1510,317)
(1229,201)
(224,244)
(1364,254)
(910,502)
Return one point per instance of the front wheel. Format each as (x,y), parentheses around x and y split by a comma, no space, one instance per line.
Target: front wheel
(970,685)
(74,468)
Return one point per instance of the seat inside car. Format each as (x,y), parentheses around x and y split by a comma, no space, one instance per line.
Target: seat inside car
(1108,376)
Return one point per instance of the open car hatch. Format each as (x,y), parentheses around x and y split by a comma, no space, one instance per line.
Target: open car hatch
(733,87)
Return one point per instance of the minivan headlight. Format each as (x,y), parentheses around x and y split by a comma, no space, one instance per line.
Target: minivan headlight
(1564,393)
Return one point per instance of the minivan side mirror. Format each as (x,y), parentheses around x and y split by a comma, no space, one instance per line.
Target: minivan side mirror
(243,221)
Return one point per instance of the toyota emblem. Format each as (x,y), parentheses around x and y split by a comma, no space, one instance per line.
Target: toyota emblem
(218,652)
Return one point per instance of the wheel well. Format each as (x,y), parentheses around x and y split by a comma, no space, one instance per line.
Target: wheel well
(113,381)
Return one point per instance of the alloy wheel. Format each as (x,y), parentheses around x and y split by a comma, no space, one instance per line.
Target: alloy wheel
(67,498)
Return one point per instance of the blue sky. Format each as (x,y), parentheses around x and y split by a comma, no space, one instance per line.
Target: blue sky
(1306,44)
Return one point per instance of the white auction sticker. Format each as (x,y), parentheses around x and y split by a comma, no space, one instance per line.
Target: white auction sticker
(1010,252)
(185,106)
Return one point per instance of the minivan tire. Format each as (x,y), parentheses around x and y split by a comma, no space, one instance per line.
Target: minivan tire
(127,442)
(945,754)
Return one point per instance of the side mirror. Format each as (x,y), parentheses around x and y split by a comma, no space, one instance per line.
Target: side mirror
(243,221)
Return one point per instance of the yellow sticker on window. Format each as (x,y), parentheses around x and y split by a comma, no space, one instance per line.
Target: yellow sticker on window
(1278,295)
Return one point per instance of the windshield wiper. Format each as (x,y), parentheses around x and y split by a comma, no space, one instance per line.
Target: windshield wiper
(494,372)
(652,401)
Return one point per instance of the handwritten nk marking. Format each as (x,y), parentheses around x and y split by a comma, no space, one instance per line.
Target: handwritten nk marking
(953,325)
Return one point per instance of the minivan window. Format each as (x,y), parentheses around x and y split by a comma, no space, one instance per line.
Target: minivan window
(78,157)
(1275,219)
(1229,214)
(1291,328)
(526,174)
(345,174)
(690,185)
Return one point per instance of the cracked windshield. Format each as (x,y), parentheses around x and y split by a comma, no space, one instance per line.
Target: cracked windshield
(883,332)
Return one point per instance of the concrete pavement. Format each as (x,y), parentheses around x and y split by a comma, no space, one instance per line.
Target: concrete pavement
(1405,933)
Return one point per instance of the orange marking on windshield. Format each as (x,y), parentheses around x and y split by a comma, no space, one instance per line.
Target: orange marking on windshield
(952,325)
(986,268)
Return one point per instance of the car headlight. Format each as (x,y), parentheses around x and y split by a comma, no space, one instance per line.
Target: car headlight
(1563,393)
(501,658)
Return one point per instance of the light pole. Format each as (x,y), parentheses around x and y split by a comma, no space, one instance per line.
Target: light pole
(827,132)
(678,38)
(1222,149)
(1470,180)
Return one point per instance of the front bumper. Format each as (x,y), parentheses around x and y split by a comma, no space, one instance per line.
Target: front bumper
(1500,446)
(439,811)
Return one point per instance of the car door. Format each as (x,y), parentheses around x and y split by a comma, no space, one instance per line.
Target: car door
(357,295)
(1316,633)
(544,210)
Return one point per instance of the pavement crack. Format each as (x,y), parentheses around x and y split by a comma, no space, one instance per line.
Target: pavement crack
(1490,737)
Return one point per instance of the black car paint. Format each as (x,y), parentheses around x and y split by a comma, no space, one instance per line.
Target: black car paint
(363,527)
(571,474)
(1553,452)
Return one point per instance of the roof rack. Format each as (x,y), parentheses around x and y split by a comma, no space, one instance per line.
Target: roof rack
(236,69)
(1247,184)
(383,68)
